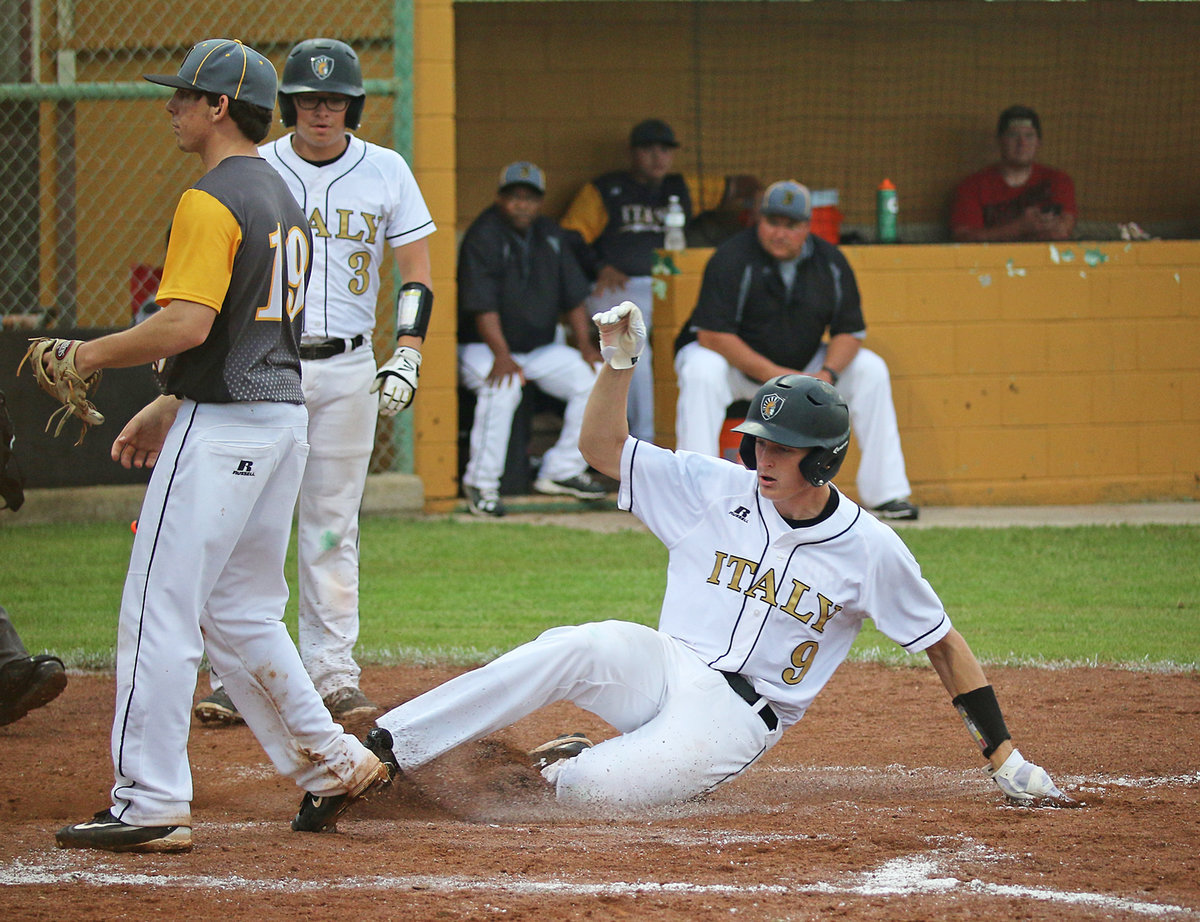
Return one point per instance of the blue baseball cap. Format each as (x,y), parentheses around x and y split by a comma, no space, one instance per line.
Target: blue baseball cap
(788,199)
(523,173)
(224,65)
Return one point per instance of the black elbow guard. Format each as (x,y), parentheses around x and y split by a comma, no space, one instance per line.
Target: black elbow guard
(981,713)
(413,310)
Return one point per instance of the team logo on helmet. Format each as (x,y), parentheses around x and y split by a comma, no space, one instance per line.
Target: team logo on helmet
(771,404)
(322,66)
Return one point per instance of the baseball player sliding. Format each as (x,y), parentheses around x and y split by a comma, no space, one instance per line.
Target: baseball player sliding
(361,201)
(771,574)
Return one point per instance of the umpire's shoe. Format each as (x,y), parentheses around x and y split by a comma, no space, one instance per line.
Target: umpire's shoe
(107,833)
(28,683)
(320,814)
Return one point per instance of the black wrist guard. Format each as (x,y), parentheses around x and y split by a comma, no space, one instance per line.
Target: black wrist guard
(981,713)
(413,309)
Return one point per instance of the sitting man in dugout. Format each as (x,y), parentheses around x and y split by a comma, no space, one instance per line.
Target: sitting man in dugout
(517,279)
(769,296)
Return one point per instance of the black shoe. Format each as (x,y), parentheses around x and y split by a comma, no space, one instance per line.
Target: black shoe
(106,832)
(320,814)
(484,502)
(581,486)
(897,510)
(567,746)
(218,709)
(29,683)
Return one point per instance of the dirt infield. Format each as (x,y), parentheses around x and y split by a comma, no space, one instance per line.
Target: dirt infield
(874,807)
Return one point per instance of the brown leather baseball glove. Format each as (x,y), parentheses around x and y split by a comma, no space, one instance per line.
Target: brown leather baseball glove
(62,381)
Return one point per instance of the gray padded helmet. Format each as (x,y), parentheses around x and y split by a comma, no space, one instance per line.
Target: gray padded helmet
(799,411)
(322,65)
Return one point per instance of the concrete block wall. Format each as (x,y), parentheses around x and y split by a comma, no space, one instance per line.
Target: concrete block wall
(1024,373)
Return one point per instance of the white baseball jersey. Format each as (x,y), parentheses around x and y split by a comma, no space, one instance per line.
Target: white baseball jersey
(359,206)
(751,594)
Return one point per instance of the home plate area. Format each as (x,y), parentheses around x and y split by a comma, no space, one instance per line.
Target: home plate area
(874,807)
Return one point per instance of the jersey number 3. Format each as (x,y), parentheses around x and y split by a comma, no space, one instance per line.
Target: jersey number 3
(287,294)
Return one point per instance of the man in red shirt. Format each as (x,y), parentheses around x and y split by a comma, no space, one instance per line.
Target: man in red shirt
(1017,198)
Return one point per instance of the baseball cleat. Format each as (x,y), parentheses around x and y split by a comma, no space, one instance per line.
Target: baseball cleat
(581,486)
(567,746)
(218,709)
(28,683)
(484,502)
(320,813)
(104,831)
(349,703)
(897,510)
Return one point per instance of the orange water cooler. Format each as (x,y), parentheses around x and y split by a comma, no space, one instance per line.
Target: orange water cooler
(826,220)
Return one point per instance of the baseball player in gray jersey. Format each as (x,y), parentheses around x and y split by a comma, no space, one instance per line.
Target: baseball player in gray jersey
(771,573)
(227,443)
(362,202)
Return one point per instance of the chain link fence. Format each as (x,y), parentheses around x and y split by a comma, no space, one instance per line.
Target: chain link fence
(89,171)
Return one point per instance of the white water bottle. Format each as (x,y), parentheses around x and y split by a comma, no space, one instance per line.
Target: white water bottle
(675,220)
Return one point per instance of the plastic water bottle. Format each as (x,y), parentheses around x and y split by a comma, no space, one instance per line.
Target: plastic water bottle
(887,212)
(675,220)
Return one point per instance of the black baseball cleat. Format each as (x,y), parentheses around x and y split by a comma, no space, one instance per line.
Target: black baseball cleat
(567,746)
(320,814)
(897,510)
(581,486)
(107,833)
(29,683)
(218,710)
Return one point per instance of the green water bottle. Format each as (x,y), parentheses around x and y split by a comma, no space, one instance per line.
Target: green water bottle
(887,212)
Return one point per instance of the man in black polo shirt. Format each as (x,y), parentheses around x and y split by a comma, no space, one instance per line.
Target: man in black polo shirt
(769,296)
(516,280)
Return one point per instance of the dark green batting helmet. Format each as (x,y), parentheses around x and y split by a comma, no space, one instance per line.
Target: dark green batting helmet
(322,65)
(799,411)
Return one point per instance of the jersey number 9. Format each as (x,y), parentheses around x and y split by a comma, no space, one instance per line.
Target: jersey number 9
(287,294)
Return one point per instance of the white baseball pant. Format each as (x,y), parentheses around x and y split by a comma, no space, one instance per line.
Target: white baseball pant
(557,369)
(708,384)
(683,729)
(342,414)
(206,575)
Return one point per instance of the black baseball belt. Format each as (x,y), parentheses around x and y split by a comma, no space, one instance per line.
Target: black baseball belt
(328,348)
(746,692)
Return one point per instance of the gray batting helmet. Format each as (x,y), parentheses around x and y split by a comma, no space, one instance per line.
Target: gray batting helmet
(322,65)
(799,411)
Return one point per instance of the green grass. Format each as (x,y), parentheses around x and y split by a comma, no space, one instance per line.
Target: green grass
(440,589)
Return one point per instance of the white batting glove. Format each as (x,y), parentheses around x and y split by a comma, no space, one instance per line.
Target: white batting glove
(622,334)
(396,380)
(1028,785)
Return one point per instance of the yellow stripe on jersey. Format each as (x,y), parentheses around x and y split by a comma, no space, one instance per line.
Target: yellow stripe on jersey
(587,214)
(205,236)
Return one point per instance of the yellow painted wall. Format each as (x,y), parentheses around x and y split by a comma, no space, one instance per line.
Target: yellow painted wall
(435,411)
(1032,373)
(839,95)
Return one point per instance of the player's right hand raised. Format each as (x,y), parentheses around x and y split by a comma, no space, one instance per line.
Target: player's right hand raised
(622,334)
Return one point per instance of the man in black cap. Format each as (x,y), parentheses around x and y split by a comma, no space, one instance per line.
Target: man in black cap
(517,280)
(621,218)
(776,299)
(1016,198)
